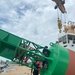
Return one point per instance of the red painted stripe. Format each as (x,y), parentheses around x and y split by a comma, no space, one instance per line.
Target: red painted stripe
(71,66)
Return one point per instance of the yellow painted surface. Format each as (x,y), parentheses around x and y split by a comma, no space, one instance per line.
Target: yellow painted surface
(69,29)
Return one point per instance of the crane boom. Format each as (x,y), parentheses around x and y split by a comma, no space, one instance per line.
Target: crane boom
(20,50)
(60,5)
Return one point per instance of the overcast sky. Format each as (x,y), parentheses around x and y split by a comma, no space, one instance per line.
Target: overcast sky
(32,19)
(35,20)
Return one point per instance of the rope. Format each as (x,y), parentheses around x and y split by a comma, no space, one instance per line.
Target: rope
(61,16)
(57,13)
(65,18)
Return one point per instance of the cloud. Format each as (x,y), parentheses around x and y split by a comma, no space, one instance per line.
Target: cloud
(32,19)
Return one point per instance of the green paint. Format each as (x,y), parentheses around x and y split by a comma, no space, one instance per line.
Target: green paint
(16,48)
(59,64)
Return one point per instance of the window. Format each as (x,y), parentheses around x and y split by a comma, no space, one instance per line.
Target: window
(63,39)
(71,37)
(74,39)
(60,39)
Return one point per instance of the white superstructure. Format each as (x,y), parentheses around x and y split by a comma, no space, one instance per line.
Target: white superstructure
(67,37)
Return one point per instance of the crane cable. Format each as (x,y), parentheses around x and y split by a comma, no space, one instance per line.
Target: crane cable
(65,18)
(57,13)
(59,21)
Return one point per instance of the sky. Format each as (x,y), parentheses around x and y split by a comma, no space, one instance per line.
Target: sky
(35,20)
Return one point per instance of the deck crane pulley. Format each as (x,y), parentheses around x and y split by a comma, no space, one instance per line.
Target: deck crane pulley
(60,5)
